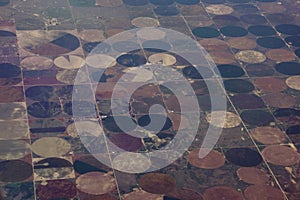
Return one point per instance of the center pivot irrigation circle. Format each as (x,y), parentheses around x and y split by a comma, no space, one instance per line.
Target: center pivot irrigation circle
(101,57)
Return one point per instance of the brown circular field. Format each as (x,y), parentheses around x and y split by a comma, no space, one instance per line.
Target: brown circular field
(280,155)
(242,43)
(279,100)
(157,183)
(212,160)
(139,194)
(268,135)
(280,55)
(184,194)
(253,175)
(255,192)
(96,183)
(222,192)
(270,84)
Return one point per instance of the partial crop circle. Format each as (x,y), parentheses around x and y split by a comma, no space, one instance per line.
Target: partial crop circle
(140,194)
(288,29)
(293,82)
(288,68)
(69,62)
(160,43)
